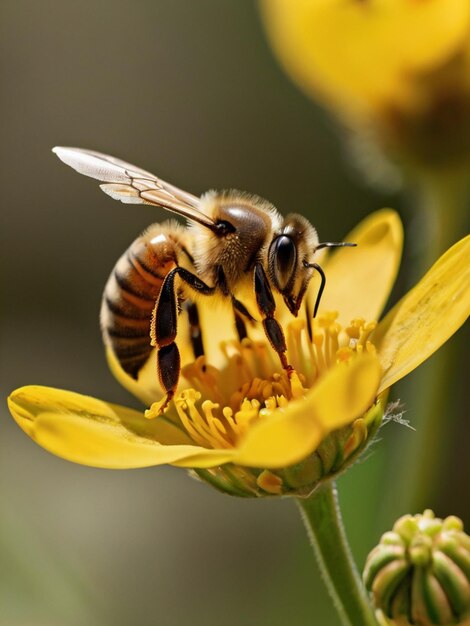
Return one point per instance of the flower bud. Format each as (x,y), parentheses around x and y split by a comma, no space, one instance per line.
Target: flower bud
(420,572)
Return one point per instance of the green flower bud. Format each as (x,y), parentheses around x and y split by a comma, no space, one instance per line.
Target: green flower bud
(419,573)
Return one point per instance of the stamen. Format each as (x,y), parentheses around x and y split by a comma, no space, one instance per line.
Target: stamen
(204,378)
(332,344)
(370,348)
(344,354)
(240,371)
(181,407)
(354,329)
(269,482)
(258,354)
(221,405)
(296,386)
(249,411)
(294,343)
(228,415)
(357,437)
(216,426)
(318,341)
(367,329)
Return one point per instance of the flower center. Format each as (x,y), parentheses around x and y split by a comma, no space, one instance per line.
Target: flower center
(221,404)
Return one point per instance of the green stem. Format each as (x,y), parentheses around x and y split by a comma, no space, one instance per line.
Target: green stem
(322,518)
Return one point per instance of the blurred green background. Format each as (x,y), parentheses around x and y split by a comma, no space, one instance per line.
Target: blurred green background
(191,91)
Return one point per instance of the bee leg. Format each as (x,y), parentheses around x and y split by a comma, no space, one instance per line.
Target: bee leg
(267,307)
(308,316)
(195,329)
(164,327)
(239,310)
(242,315)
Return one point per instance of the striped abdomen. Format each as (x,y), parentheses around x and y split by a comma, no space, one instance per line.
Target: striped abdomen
(132,291)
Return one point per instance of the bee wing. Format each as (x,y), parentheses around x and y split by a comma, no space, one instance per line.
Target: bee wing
(130,184)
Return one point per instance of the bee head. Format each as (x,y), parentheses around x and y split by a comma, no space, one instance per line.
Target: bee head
(289,252)
(290,261)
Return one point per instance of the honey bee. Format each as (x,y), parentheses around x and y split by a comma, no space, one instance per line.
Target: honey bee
(236,246)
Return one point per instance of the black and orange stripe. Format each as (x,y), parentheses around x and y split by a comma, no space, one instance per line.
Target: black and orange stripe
(132,291)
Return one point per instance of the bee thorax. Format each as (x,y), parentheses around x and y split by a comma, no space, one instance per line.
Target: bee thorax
(236,250)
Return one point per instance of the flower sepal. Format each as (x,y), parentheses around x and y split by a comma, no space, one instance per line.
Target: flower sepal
(337,451)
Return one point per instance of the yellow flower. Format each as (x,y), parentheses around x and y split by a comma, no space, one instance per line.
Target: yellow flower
(401,68)
(238,419)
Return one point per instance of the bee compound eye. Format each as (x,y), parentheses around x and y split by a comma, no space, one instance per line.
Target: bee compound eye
(283,255)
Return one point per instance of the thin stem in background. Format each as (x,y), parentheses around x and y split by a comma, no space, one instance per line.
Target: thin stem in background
(429,397)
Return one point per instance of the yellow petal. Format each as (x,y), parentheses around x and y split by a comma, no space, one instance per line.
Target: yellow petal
(427,316)
(342,394)
(359,280)
(92,432)
(147,387)
(360,55)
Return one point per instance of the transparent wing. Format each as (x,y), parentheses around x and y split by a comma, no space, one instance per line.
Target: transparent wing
(130,184)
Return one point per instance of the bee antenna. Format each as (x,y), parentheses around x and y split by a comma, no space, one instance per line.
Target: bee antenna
(315,266)
(335,244)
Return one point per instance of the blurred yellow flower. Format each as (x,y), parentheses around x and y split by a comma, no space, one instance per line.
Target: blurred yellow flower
(244,425)
(399,68)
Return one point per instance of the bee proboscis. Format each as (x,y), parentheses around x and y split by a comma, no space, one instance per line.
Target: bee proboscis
(236,246)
